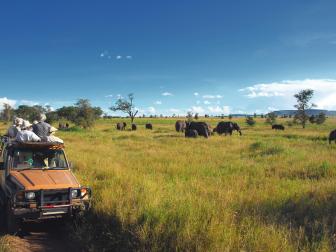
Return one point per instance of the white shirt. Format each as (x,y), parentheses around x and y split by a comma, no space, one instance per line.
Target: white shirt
(27,136)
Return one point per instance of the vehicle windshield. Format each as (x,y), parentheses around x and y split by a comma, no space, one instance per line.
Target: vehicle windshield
(39,159)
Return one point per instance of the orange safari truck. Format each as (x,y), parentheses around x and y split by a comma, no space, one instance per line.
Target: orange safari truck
(37,183)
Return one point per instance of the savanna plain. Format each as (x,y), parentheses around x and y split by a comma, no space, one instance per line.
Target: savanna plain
(154,190)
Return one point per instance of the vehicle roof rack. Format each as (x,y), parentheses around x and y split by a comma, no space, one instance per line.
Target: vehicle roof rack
(12,142)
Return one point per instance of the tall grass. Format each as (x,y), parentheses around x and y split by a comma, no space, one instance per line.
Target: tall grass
(158,191)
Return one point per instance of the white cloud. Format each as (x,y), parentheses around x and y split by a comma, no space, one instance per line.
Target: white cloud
(222,110)
(206,102)
(28,103)
(196,94)
(197,109)
(212,97)
(324,96)
(5,100)
(158,102)
(118,57)
(198,102)
(167,94)
(173,110)
(129,57)
(151,110)
(109,96)
(272,109)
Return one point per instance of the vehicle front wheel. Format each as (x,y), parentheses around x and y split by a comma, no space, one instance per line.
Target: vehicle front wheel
(12,224)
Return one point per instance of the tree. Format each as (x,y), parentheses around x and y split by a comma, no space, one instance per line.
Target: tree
(29,112)
(255,115)
(250,121)
(196,116)
(303,103)
(320,118)
(189,116)
(126,106)
(86,115)
(312,119)
(230,116)
(271,118)
(7,112)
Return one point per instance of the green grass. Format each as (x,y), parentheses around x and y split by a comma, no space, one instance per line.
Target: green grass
(158,191)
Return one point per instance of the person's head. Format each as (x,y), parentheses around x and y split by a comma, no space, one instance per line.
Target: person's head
(41,117)
(18,121)
(26,125)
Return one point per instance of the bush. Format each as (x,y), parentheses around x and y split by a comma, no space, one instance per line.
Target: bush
(250,121)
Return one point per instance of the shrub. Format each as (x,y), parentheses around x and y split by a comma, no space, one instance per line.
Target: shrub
(250,121)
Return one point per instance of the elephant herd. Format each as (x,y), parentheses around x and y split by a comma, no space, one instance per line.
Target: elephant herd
(195,129)
(122,126)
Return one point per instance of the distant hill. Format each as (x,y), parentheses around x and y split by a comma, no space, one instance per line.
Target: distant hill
(309,112)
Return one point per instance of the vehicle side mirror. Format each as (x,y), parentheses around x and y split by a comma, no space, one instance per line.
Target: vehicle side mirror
(2,166)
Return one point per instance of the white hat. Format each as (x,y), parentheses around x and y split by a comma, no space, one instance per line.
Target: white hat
(41,117)
(18,121)
(26,124)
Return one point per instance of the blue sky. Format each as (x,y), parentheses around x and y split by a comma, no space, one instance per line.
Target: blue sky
(204,56)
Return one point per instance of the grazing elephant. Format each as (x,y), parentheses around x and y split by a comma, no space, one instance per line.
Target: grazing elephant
(67,125)
(134,126)
(121,126)
(278,127)
(332,136)
(202,128)
(227,128)
(61,126)
(149,126)
(180,126)
(191,133)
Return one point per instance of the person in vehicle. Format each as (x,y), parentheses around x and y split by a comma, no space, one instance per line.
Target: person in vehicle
(26,134)
(15,128)
(42,129)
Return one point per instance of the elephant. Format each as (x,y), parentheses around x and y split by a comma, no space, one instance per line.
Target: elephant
(121,126)
(332,136)
(149,126)
(202,128)
(61,126)
(180,126)
(278,127)
(134,126)
(191,133)
(227,128)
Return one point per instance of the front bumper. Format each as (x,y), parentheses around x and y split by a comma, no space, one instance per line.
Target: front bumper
(41,208)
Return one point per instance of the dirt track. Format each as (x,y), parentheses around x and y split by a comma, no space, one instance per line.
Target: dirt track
(38,237)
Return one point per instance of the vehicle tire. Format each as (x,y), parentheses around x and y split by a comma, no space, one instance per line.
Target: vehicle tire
(12,224)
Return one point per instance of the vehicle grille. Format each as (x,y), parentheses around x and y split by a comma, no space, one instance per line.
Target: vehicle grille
(53,197)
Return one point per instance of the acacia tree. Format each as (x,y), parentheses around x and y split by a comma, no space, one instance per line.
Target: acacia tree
(303,103)
(126,106)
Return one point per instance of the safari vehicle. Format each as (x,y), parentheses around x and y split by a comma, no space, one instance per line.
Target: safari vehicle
(37,183)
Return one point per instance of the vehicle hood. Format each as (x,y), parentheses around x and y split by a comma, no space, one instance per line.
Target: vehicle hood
(45,179)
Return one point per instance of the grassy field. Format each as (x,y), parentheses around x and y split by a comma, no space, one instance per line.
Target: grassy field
(158,191)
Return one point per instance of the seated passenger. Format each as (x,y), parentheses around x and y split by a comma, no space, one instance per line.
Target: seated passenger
(15,128)
(42,129)
(26,134)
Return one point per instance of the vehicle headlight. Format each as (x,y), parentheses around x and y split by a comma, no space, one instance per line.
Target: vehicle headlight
(30,195)
(74,193)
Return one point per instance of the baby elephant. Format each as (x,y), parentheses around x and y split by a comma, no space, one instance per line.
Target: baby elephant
(149,126)
(191,133)
(134,126)
(278,127)
(332,136)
